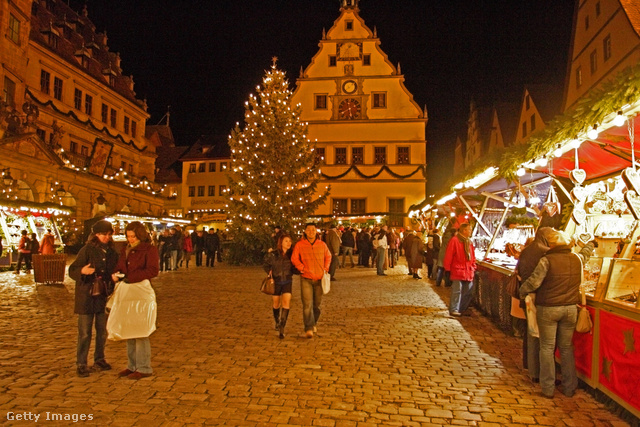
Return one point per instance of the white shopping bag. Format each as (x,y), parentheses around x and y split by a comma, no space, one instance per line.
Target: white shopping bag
(532,320)
(133,312)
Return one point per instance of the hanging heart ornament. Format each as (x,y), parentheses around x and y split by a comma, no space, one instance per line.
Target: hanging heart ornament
(578,176)
(631,179)
(579,194)
(633,201)
(579,215)
(551,208)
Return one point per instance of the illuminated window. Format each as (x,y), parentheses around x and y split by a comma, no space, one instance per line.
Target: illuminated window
(320,154)
(403,156)
(321,102)
(104,113)
(45,81)
(358,206)
(357,155)
(223,189)
(114,118)
(88,104)
(9,92)
(380,155)
(578,77)
(379,99)
(223,166)
(57,88)
(341,155)
(606,47)
(77,99)
(340,206)
(14,29)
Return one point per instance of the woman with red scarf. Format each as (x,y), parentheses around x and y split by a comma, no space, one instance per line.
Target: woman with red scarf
(460,262)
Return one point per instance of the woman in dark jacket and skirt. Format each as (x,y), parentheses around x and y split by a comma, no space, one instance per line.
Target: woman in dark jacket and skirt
(94,264)
(278,265)
(138,261)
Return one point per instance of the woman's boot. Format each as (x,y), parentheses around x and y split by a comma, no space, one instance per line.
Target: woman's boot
(283,321)
(276,316)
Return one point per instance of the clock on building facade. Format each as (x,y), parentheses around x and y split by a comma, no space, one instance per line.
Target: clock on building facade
(350,109)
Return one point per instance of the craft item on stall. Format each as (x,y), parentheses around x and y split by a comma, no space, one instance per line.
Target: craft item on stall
(633,201)
(579,215)
(579,194)
(552,204)
(631,179)
(578,175)
(583,239)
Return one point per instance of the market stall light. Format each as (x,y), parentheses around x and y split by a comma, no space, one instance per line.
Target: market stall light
(521,171)
(445,199)
(558,151)
(458,186)
(575,143)
(543,161)
(593,132)
(619,120)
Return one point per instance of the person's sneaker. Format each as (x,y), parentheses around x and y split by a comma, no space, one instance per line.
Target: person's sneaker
(82,371)
(456,314)
(309,334)
(137,375)
(101,365)
(125,373)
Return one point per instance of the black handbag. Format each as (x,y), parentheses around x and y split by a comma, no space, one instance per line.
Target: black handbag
(98,287)
(268,285)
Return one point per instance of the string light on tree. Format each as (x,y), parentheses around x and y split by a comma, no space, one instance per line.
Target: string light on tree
(274,183)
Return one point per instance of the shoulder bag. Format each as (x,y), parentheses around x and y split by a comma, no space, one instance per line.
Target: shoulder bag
(268,285)
(513,285)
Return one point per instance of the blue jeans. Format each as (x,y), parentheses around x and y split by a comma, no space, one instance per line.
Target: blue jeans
(139,355)
(557,322)
(461,295)
(311,293)
(380,260)
(85,324)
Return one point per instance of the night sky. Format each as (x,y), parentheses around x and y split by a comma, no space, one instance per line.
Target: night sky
(204,57)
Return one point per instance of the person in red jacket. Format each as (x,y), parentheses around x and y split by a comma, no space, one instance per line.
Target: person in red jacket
(138,261)
(460,262)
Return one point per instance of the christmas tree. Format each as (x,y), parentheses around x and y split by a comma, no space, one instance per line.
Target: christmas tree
(274,171)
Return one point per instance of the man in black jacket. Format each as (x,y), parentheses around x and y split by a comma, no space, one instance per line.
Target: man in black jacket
(197,239)
(212,245)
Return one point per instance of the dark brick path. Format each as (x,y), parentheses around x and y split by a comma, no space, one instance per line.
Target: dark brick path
(386,353)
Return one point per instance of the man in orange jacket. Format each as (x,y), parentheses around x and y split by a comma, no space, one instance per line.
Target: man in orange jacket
(312,258)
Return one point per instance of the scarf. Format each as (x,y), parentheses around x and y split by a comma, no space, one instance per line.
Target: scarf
(131,246)
(467,246)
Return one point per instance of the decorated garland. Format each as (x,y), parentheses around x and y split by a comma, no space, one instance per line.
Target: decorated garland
(72,114)
(375,175)
(624,89)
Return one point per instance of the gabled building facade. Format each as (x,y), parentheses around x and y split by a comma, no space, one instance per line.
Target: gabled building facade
(71,127)
(606,40)
(368,128)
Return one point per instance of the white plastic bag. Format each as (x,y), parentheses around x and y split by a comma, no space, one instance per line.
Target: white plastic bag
(326,283)
(133,313)
(532,320)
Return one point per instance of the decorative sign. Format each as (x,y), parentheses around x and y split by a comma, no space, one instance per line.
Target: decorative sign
(578,176)
(579,215)
(633,201)
(631,179)
(99,157)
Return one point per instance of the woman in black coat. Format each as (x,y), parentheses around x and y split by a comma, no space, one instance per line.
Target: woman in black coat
(93,265)
(278,265)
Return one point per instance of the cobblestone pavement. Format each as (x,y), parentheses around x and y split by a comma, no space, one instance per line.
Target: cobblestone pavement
(386,352)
